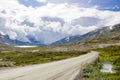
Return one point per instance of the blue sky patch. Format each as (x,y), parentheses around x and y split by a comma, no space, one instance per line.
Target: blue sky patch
(32,3)
(113,5)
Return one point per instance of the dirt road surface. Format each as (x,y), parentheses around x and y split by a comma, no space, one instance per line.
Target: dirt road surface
(59,70)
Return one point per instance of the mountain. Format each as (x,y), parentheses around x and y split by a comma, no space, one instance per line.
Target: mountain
(5,40)
(67,40)
(104,33)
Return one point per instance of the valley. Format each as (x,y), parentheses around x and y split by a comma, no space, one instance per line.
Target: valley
(59,40)
(74,55)
(26,61)
(59,70)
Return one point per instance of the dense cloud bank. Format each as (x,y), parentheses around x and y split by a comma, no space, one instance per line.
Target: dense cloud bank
(51,22)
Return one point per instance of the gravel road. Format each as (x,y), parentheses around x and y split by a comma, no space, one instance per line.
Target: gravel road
(59,70)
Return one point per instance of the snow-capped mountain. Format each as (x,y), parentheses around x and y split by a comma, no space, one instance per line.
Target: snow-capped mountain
(5,40)
(105,33)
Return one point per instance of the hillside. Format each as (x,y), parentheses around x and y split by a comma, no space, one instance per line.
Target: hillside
(105,33)
(5,40)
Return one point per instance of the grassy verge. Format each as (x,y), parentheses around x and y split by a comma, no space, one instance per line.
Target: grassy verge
(27,58)
(92,71)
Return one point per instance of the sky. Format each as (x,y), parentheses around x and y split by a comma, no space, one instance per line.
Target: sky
(50,20)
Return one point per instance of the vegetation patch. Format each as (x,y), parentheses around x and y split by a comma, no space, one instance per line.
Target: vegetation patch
(28,58)
(92,71)
(7,64)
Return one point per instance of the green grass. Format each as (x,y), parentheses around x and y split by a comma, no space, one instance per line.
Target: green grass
(110,54)
(28,58)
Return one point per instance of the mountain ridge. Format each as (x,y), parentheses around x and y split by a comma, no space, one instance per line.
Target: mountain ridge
(104,33)
(5,40)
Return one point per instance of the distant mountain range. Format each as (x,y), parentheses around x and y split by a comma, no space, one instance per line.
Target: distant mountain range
(5,40)
(105,33)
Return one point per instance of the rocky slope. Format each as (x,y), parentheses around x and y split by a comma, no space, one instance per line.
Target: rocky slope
(104,33)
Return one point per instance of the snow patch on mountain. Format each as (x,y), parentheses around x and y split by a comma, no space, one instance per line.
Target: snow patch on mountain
(67,39)
(111,27)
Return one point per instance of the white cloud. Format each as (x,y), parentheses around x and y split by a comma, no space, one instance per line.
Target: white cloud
(89,1)
(41,1)
(52,21)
